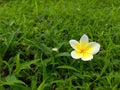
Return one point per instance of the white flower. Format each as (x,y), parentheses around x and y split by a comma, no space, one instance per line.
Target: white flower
(84,49)
(54,49)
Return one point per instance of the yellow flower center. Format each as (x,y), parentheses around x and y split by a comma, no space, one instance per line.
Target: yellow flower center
(82,51)
(84,48)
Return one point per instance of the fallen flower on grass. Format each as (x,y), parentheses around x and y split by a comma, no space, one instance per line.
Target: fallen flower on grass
(84,49)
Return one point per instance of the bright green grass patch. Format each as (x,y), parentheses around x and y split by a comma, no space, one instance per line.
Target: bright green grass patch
(29,29)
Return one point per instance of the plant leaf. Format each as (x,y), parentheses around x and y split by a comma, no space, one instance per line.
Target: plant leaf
(11,80)
(68,67)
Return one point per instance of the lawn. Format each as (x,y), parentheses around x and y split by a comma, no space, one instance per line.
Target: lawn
(30,30)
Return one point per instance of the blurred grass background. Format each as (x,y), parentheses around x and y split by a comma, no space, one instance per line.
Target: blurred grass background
(29,29)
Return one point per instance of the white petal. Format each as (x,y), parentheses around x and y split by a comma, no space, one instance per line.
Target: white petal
(84,39)
(76,54)
(95,47)
(74,44)
(54,49)
(87,57)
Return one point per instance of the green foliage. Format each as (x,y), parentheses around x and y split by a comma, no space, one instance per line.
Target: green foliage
(30,29)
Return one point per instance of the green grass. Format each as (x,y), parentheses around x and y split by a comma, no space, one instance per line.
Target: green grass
(29,29)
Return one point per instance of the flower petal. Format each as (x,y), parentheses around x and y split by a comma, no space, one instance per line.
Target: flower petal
(75,44)
(84,38)
(76,54)
(87,57)
(93,47)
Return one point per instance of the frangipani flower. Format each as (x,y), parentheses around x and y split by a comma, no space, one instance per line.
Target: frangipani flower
(84,49)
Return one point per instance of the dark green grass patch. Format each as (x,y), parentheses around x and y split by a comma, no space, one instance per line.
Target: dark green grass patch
(29,29)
